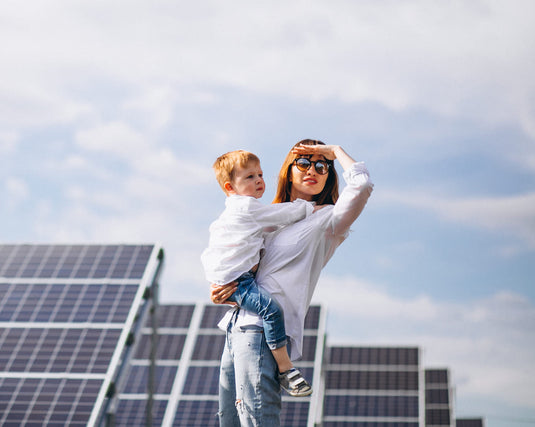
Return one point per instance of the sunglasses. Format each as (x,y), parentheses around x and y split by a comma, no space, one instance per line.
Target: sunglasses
(303,164)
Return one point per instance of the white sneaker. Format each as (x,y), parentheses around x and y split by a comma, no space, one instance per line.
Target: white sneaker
(293,382)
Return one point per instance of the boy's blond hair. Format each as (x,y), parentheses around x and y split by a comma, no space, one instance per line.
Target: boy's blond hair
(226,164)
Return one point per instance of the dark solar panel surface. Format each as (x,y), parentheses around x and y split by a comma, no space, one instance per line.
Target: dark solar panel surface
(369,424)
(38,302)
(469,422)
(371,406)
(169,346)
(132,413)
(47,401)
(74,261)
(196,413)
(63,310)
(372,380)
(138,377)
(373,356)
(57,350)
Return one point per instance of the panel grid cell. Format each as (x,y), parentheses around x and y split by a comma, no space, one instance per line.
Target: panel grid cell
(373,356)
(202,380)
(74,261)
(51,402)
(208,347)
(169,347)
(196,413)
(371,380)
(72,303)
(132,413)
(173,316)
(137,379)
(47,350)
(371,406)
(294,414)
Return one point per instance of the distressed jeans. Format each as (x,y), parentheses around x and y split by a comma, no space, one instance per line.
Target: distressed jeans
(249,296)
(249,391)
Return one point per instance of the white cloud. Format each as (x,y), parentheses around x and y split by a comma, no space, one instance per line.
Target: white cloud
(16,191)
(489,343)
(464,59)
(513,214)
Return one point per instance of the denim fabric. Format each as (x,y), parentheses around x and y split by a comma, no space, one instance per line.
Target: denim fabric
(249,296)
(249,391)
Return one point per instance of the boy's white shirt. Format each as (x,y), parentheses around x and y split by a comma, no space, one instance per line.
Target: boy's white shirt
(237,235)
(296,254)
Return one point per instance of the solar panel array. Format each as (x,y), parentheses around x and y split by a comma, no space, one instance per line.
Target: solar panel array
(65,315)
(187,370)
(438,401)
(68,314)
(372,387)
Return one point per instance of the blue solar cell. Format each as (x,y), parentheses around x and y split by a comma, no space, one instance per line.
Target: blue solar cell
(174,316)
(46,401)
(132,412)
(212,315)
(371,406)
(196,413)
(57,350)
(169,347)
(437,417)
(208,347)
(294,414)
(66,303)
(371,380)
(202,380)
(373,355)
(138,376)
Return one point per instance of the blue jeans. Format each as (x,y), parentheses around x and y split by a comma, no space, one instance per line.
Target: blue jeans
(249,390)
(249,296)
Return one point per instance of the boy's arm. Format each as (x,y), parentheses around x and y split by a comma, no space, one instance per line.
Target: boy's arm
(283,213)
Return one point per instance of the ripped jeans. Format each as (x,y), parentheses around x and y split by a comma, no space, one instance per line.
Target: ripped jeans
(249,391)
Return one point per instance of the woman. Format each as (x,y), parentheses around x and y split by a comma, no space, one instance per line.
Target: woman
(249,392)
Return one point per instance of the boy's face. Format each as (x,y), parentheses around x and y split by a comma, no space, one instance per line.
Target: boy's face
(248,181)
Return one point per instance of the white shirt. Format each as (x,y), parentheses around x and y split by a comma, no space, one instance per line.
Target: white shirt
(295,255)
(237,236)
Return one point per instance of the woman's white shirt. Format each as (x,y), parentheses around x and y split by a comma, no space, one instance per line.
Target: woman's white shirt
(295,255)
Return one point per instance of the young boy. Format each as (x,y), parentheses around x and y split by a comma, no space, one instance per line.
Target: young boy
(233,253)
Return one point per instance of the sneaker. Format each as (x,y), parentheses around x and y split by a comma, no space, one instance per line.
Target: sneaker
(293,382)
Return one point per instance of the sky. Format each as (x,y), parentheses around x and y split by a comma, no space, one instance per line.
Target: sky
(112,113)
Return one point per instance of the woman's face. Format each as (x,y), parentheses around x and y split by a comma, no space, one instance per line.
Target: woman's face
(309,183)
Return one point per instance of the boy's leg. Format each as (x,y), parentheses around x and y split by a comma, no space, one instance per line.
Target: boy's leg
(259,301)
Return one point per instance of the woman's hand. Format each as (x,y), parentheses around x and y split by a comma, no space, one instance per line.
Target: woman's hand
(330,152)
(220,294)
(327,151)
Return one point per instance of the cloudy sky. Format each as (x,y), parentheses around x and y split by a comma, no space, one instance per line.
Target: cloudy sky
(112,112)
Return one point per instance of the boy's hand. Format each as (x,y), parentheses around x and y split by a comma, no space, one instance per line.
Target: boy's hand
(220,294)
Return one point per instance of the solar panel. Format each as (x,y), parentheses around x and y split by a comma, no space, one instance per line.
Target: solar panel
(469,422)
(372,386)
(187,368)
(66,312)
(438,407)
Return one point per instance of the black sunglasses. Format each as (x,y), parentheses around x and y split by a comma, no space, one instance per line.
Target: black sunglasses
(303,164)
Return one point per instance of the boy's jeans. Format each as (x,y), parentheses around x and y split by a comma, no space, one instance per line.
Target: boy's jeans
(249,296)
(249,391)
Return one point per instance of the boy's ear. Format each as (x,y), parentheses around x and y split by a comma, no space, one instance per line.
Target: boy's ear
(228,188)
